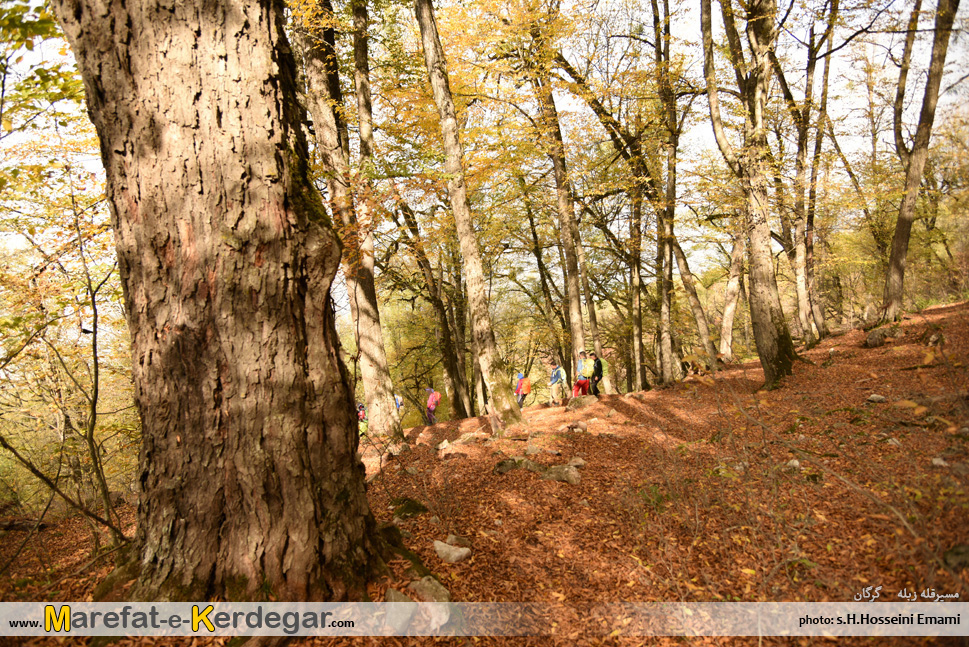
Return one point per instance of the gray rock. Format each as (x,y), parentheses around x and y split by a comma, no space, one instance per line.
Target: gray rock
(435,519)
(876,338)
(393,595)
(444,444)
(874,397)
(531,450)
(458,540)
(412,470)
(553,452)
(577,462)
(794,465)
(429,589)
(584,503)
(895,442)
(581,402)
(610,413)
(532,466)
(451,554)
(399,614)
(565,473)
(939,462)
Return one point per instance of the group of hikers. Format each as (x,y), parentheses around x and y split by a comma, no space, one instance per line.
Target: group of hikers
(588,375)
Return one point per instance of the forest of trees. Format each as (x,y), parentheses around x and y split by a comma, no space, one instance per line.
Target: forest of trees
(224,224)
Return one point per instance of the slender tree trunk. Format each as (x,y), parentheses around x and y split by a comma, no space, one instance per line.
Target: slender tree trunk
(492,366)
(325,101)
(664,289)
(555,147)
(635,300)
(732,293)
(702,327)
(226,256)
(591,309)
(894,280)
(448,351)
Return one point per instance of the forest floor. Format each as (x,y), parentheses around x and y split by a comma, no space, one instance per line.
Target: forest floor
(688,493)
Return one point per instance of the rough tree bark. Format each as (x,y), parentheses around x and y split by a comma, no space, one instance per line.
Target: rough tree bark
(493,370)
(914,160)
(250,484)
(771,334)
(324,100)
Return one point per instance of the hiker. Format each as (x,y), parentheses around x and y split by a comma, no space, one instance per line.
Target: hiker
(523,389)
(583,372)
(433,397)
(557,386)
(361,412)
(399,403)
(596,373)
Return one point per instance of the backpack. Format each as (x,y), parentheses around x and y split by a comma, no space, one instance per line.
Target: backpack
(526,386)
(433,400)
(588,368)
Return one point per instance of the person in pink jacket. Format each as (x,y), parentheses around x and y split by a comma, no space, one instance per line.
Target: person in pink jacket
(433,398)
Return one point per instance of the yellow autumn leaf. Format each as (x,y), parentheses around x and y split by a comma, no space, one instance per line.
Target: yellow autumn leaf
(906,403)
(748,571)
(920,411)
(929,358)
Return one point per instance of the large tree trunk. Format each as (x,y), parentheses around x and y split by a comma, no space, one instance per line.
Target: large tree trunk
(664,298)
(771,334)
(325,102)
(493,369)
(250,484)
(915,159)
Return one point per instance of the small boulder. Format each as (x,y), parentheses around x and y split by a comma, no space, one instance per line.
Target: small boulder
(794,465)
(565,473)
(874,397)
(876,338)
(429,589)
(505,466)
(399,615)
(939,462)
(458,540)
(894,442)
(451,554)
(531,450)
(581,402)
(532,466)
(577,462)
(444,444)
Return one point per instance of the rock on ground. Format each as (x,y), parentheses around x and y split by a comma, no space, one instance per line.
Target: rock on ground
(451,554)
(565,473)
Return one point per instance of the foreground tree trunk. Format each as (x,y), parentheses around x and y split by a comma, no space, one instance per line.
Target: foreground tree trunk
(325,99)
(914,160)
(250,484)
(493,369)
(771,334)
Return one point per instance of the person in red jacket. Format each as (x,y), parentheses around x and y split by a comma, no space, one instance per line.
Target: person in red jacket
(523,389)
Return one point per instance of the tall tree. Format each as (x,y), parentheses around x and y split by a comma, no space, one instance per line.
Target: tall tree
(771,334)
(492,366)
(317,37)
(250,484)
(914,159)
